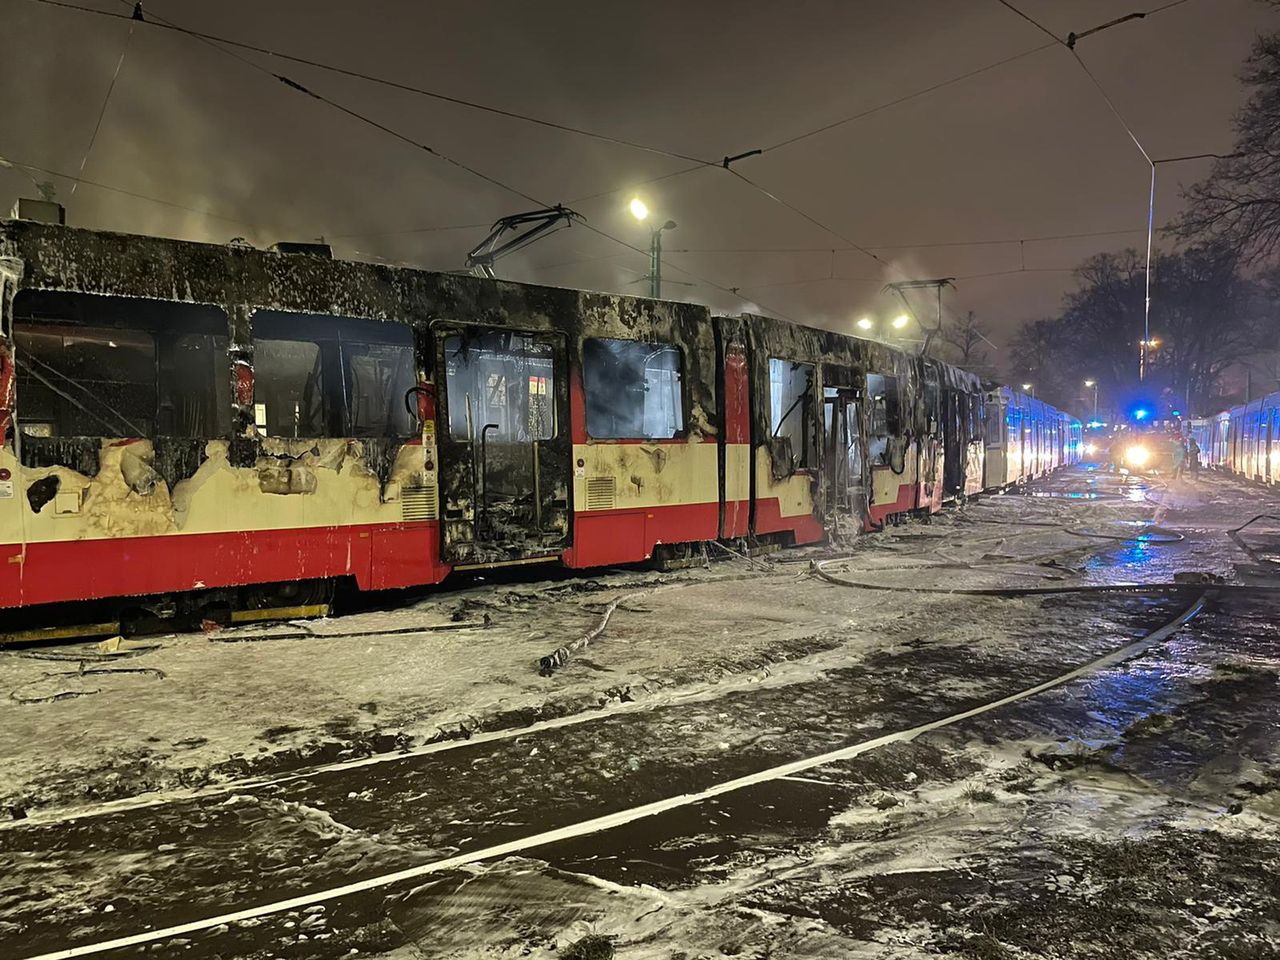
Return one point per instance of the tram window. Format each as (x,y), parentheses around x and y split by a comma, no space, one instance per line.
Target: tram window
(289,397)
(195,385)
(791,407)
(886,411)
(316,375)
(994,427)
(96,366)
(500,377)
(633,389)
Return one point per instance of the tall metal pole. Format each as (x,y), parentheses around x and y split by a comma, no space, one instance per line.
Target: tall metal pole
(940,310)
(655,265)
(1095,400)
(1146,311)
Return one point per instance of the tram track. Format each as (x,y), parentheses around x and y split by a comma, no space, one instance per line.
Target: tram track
(587,826)
(620,601)
(489,847)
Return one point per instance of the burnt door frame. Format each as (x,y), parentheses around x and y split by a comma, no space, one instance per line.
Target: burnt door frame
(954,441)
(842,428)
(464,539)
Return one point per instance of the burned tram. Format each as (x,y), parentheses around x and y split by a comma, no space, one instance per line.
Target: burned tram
(198,422)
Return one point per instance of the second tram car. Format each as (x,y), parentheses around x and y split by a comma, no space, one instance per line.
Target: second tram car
(1244,441)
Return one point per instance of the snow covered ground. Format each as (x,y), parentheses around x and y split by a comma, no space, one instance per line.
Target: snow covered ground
(1129,813)
(195,708)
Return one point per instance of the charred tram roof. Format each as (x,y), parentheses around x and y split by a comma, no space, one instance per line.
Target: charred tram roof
(241,278)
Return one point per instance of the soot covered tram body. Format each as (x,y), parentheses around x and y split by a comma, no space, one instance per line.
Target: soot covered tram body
(198,421)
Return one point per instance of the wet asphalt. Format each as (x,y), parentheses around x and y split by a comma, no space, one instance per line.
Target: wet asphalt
(76,883)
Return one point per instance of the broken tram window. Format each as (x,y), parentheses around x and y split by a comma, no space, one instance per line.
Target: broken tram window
(324,376)
(98,366)
(500,378)
(633,389)
(791,410)
(885,416)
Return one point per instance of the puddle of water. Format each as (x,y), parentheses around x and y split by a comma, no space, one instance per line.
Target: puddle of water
(1067,494)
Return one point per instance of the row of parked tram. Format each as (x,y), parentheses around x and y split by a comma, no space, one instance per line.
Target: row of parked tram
(1244,440)
(190,420)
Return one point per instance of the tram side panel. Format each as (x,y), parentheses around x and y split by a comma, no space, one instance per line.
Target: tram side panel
(893,444)
(645,412)
(126,467)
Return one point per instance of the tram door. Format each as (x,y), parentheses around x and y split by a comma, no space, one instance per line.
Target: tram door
(504,443)
(955,443)
(844,454)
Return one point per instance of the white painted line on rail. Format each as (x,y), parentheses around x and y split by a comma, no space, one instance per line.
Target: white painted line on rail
(609,821)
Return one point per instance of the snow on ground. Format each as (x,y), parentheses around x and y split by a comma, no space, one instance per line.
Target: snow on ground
(1133,813)
(197,709)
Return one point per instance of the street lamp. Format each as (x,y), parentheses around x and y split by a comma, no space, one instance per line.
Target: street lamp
(1094,384)
(1029,388)
(640,210)
(865,324)
(900,321)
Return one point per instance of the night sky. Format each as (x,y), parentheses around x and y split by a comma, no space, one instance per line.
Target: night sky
(1027,149)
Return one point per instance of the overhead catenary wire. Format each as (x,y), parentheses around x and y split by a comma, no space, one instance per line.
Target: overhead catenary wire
(115,75)
(165,24)
(1031,20)
(363,118)
(1004,241)
(26,167)
(906,98)
(224,44)
(1070,43)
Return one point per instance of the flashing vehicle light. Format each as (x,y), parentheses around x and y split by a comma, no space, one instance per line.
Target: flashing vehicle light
(1091,448)
(1141,413)
(1096,424)
(1137,455)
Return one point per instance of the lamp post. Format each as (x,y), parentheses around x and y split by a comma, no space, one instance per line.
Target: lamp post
(1094,384)
(641,212)
(1029,388)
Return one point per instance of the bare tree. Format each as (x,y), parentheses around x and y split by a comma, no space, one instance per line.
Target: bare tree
(966,336)
(1207,315)
(1238,205)
(1210,317)
(1036,356)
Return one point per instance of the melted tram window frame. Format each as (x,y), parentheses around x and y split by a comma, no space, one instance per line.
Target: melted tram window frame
(323,376)
(93,365)
(633,389)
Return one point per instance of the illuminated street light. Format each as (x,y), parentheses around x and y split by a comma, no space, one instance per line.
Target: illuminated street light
(1026,386)
(1094,384)
(865,323)
(640,210)
(900,321)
